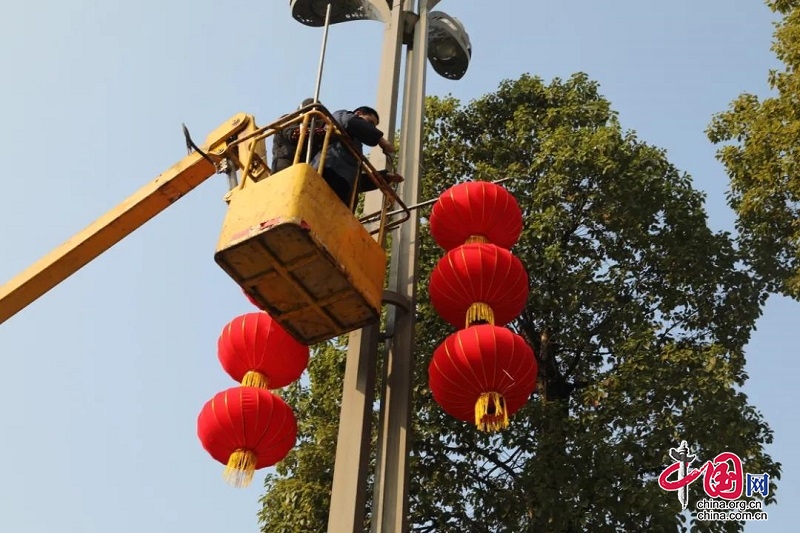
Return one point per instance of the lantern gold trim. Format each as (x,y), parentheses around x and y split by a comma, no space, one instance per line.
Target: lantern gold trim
(240,468)
(479,312)
(472,239)
(255,379)
(491,414)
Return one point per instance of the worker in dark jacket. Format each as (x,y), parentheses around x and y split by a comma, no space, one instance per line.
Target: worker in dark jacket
(341,167)
(284,143)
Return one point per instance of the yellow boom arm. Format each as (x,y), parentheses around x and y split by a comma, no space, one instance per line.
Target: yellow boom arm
(121,221)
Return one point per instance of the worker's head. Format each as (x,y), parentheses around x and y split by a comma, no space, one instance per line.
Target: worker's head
(307,101)
(368,114)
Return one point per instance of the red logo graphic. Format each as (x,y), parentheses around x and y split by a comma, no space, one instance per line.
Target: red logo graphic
(723,476)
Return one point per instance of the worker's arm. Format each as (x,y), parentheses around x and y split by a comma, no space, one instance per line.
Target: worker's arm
(365,184)
(368,134)
(118,223)
(386,146)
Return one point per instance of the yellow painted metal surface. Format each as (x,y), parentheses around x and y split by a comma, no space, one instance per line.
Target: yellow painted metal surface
(301,254)
(116,224)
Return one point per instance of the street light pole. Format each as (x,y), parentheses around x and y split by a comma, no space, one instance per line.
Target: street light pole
(450,53)
(390,499)
(348,496)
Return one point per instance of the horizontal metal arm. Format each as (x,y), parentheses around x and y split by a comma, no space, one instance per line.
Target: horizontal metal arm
(426,202)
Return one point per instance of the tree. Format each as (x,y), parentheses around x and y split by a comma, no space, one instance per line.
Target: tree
(638,315)
(763,162)
(298,494)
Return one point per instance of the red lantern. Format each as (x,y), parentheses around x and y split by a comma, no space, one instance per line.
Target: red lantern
(476,211)
(478,283)
(256,351)
(246,429)
(483,373)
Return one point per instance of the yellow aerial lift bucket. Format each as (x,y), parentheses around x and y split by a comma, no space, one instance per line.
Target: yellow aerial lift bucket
(287,239)
(299,252)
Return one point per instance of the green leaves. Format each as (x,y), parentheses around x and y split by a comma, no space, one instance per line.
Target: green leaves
(763,162)
(783,6)
(298,493)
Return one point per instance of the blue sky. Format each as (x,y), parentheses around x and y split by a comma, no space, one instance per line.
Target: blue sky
(103,377)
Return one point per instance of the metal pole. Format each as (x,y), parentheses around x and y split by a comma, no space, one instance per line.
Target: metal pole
(348,497)
(322,52)
(312,126)
(390,505)
(230,172)
(388,89)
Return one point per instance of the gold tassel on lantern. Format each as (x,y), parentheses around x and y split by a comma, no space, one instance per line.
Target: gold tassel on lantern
(481,313)
(491,414)
(240,468)
(472,239)
(255,379)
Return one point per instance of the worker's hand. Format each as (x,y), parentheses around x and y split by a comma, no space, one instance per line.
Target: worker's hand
(386,146)
(391,177)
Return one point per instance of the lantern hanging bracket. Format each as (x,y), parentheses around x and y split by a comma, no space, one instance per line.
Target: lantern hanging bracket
(425,203)
(396,299)
(399,301)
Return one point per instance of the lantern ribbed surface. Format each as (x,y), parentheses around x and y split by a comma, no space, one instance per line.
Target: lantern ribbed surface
(479,274)
(476,211)
(255,350)
(478,361)
(246,429)
(483,373)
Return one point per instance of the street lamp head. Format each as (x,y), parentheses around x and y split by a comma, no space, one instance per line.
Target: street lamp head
(449,49)
(312,12)
(445,50)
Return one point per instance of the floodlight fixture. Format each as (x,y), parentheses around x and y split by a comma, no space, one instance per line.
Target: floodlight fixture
(449,48)
(312,12)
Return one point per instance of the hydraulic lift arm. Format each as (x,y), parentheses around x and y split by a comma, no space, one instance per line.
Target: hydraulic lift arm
(122,220)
